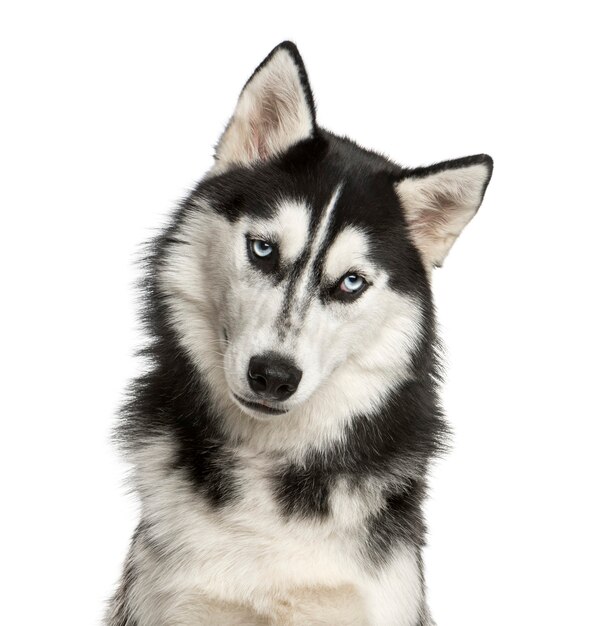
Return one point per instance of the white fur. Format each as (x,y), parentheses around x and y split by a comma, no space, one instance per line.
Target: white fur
(439,206)
(394,595)
(246,564)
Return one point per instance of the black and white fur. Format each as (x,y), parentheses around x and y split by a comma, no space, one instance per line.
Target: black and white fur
(306,510)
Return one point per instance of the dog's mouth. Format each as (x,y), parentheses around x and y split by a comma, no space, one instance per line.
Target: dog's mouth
(261,407)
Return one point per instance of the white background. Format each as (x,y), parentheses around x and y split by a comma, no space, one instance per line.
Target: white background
(109,112)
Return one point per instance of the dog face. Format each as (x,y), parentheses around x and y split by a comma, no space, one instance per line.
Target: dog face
(305,291)
(297,272)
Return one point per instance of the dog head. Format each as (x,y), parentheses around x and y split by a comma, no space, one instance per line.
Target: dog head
(296,275)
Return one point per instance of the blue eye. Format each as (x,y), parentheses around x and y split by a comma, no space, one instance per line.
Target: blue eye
(263,255)
(261,248)
(352,283)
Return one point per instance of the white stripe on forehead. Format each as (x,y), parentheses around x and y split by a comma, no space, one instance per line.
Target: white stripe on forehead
(316,244)
(348,252)
(289,227)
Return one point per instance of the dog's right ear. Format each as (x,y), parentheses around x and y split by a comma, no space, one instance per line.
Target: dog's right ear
(275,110)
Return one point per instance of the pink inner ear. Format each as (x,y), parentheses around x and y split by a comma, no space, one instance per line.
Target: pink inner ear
(272,114)
(261,126)
(273,108)
(432,221)
(256,148)
(440,205)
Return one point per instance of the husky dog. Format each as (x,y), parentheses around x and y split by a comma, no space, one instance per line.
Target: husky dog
(281,436)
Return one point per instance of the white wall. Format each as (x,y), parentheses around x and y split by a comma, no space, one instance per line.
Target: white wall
(108,114)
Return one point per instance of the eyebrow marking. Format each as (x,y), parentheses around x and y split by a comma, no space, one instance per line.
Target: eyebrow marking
(288,227)
(320,237)
(347,252)
(292,224)
(295,296)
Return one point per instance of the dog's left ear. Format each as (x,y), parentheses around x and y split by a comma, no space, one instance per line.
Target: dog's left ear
(440,200)
(275,110)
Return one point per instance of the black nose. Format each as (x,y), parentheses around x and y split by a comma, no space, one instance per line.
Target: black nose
(273,377)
